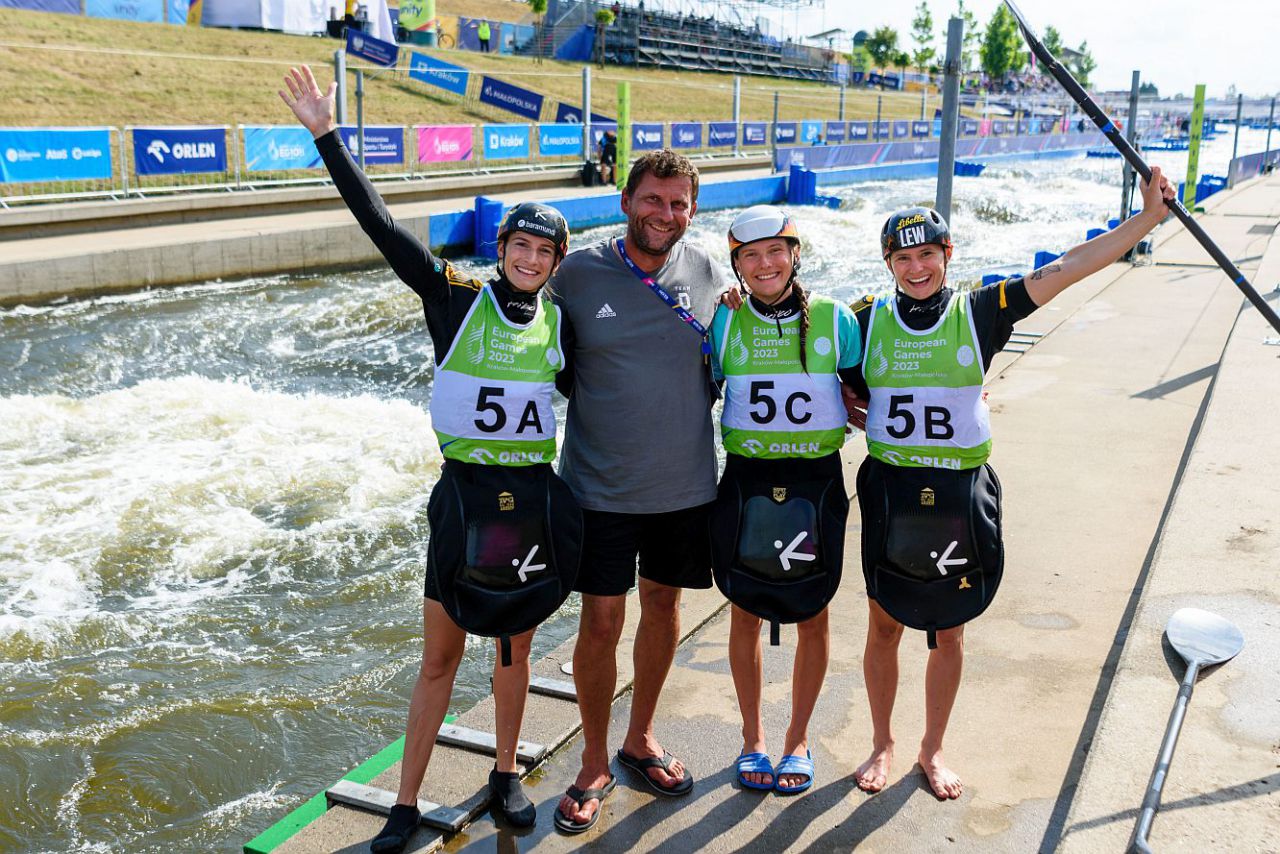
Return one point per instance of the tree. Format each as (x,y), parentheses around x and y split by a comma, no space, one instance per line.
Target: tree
(882,45)
(538,8)
(901,61)
(1083,65)
(1148,89)
(922,35)
(1002,45)
(972,41)
(604,17)
(1053,41)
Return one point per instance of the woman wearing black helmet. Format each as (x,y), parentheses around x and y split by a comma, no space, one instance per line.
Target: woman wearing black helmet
(506,531)
(932,550)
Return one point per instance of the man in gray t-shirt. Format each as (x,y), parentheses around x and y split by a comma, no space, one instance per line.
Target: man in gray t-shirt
(639,457)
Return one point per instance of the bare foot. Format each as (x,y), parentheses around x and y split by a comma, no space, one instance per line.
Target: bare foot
(943,781)
(757,777)
(873,775)
(586,780)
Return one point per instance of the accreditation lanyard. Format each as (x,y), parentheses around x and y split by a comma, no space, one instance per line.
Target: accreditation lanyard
(671,302)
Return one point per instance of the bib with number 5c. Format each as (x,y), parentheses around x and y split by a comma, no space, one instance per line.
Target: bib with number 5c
(926,407)
(491,398)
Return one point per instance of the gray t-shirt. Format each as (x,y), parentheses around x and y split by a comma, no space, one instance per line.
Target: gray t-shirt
(638,437)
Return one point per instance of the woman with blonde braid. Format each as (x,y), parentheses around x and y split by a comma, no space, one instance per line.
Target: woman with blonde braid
(778,523)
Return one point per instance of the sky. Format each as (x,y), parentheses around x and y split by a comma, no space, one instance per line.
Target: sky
(1174,43)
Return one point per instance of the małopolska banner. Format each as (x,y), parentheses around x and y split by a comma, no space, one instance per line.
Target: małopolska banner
(54,154)
(567,113)
(444,143)
(784,133)
(382,143)
(559,140)
(720,134)
(835,132)
(511,98)
(686,135)
(646,136)
(859,131)
(755,133)
(269,148)
(503,142)
(179,150)
(375,50)
(437,72)
(146,11)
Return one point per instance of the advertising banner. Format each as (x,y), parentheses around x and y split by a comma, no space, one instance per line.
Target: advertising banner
(567,113)
(511,98)
(443,143)
(810,131)
(646,136)
(504,142)
(835,131)
(374,50)
(785,133)
(269,148)
(54,154)
(145,11)
(179,150)
(882,130)
(920,129)
(437,72)
(724,133)
(875,78)
(686,135)
(413,14)
(559,140)
(997,127)
(859,131)
(178,10)
(755,133)
(901,129)
(382,143)
(968,127)
(66,7)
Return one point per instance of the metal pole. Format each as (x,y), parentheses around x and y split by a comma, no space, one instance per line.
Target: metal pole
(587,148)
(360,114)
(1271,119)
(840,117)
(340,75)
(924,96)
(1131,134)
(737,116)
(950,117)
(879,101)
(236,138)
(124,164)
(1235,145)
(774,129)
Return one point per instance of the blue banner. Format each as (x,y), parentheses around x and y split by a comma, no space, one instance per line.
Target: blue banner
(437,72)
(755,133)
(268,149)
(725,133)
(882,130)
(835,131)
(875,78)
(145,11)
(367,47)
(646,136)
(968,127)
(920,129)
(179,151)
(54,154)
(784,133)
(859,131)
(382,143)
(66,7)
(810,131)
(901,128)
(569,114)
(559,140)
(511,98)
(892,81)
(505,141)
(178,12)
(686,135)
(997,128)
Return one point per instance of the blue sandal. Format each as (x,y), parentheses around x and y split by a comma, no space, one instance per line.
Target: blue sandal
(796,765)
(755,763)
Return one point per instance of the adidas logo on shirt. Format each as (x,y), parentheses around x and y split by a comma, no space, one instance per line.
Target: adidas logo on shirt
(605,311)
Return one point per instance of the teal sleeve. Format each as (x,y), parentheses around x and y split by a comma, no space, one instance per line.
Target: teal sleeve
(850,339)
(719,328)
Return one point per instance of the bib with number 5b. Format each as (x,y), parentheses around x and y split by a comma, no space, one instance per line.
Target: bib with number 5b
(491,400)
(926,407)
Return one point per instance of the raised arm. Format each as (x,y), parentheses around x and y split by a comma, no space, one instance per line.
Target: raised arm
(1091,256)
(411,260)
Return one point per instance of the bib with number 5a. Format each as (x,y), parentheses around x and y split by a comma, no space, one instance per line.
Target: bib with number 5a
(772,408)
(491,401)
(926,407)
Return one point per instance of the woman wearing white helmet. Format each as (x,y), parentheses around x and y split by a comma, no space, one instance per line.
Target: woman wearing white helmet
(779,519)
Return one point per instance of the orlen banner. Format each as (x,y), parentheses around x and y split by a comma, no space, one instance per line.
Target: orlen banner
(444,143)
(179,150)
(54,154)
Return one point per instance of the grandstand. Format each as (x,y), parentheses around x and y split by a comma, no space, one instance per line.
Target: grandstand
(722,41)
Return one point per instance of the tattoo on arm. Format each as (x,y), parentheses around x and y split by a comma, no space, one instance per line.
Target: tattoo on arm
(1045,271)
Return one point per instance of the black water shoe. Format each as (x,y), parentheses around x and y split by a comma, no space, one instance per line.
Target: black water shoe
(395,834)
(509,800)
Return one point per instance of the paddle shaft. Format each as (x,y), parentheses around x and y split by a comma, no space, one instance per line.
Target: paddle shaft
(1112,133)
(1151,802)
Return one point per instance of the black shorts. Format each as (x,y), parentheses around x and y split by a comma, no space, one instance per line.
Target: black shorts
(673,549)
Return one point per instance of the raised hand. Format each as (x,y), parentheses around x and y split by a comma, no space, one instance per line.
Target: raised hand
(313,108)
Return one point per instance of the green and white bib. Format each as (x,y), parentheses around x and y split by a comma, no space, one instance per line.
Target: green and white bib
(926,406)
(772,408)
(491,403)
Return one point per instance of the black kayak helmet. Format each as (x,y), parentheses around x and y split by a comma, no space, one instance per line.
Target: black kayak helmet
(538,220)
(914,227)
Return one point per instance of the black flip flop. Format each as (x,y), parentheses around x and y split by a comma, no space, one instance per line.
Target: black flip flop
(641,766)
(567,825)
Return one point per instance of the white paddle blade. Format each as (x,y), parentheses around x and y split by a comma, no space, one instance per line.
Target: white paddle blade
(1204,637)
